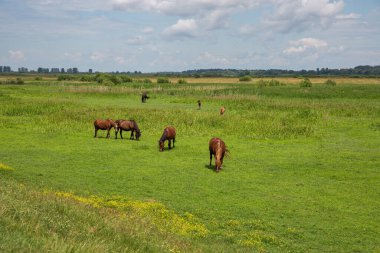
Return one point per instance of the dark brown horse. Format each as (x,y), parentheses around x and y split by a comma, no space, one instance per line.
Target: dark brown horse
(128,125)
(217,148)
(106,124)
(144,96)
(169,134)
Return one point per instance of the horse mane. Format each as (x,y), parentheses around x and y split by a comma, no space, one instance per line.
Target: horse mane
(163,136)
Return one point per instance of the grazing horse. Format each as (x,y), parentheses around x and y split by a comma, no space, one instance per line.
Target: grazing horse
(105,125)
(169,134)
(217,148)
(128,125)
(222,110)
(144,97)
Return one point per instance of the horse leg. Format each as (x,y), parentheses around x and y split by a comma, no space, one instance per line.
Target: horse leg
(170,144)
(121,131)
(108,133)
(131,137)
(96,132)
(173,142)
(210,157)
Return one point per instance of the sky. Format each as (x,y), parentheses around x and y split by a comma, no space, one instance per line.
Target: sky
(178,35)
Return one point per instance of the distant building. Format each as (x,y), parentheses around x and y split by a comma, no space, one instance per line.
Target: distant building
(23,70)
(5,69)
(54,70)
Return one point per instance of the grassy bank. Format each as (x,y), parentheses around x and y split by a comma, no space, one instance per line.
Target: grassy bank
(302,175)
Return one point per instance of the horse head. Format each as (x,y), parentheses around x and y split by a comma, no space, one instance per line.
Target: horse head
(138,134)
(161,145)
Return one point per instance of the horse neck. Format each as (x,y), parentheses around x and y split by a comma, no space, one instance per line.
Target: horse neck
(135,126)
(164,136)
(219,150)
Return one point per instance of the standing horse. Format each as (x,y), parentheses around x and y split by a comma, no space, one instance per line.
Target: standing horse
(217,148)
(144,97)
(169,134)
(107,124)
(222,110)
(128,125)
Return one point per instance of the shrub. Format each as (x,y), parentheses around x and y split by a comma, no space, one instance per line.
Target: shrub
(163,80)
(114,79)
(262,83)
(305,83)
(19,80)
(245,79)
(274,83)
(182,81)
(126,79)
(330,82)
(107,82)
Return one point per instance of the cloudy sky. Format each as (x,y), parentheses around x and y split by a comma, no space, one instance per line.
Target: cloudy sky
(176,35)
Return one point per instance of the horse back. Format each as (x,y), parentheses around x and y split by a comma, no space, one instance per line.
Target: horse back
(103,124)
(170,132)
(217,145)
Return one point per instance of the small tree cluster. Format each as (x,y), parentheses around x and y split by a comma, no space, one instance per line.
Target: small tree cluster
(330,82)
(163,80)
(245,79)
(305,83)
(273,82)
(182,81)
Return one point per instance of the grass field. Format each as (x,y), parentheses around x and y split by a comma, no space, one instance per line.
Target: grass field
(302,176)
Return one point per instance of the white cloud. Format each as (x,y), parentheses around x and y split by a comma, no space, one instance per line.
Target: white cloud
(213,14)
(208,59)
(16,55)
(348,16)
(300,15)
(305,44)
(182,7)
(183,28)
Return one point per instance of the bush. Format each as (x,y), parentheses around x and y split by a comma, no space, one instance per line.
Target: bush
(262,83)
(163,80)
(126,79)
(19,80)
(305,83)
(274,83)
(182,81)
(330,82)
(107,82)
(245,79)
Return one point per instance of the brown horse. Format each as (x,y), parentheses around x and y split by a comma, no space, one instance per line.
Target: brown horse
(169,134)
(217,148)
(222,110)
(107,124)
(128,125)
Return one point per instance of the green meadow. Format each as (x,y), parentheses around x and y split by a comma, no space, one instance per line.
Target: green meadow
(302,174)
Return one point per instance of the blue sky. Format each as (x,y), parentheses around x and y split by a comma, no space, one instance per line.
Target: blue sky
(169,35)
